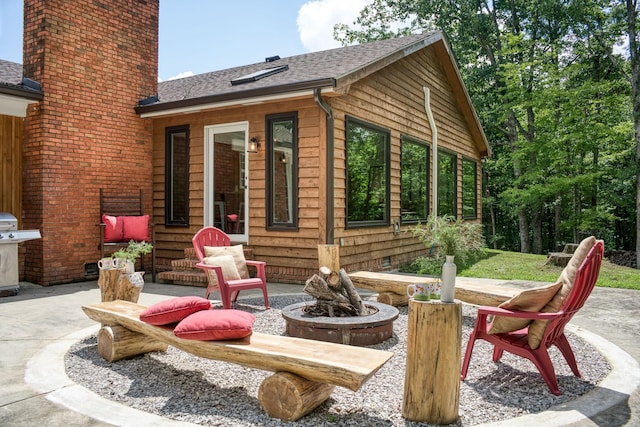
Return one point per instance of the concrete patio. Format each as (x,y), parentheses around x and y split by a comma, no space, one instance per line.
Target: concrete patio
(36,391)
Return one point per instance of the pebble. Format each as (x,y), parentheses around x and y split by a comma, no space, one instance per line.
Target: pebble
(180,386)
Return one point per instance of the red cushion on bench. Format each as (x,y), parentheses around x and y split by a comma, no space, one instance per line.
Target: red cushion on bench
(135,228)
(113,229)
(216,325)
(173,310)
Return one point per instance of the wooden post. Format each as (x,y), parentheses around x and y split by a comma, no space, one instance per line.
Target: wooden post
(432,377)
(116,284)
(329,256)
(288,397)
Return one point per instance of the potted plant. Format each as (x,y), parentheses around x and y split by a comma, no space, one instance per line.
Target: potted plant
(127,256)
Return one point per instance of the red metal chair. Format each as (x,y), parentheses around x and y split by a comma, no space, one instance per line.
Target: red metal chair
(229,289)
(517,342)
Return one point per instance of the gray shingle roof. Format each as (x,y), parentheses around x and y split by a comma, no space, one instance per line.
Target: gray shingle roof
(10,73)
(11,82)
(321,69)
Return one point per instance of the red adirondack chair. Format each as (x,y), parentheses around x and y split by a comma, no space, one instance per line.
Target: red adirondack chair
(517,342)
(229,289)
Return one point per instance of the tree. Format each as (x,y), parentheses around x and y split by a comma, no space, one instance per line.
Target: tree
(541,77)
(634,55)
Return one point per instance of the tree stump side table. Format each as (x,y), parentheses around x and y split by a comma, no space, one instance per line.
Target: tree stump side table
(115,284)
(432,376)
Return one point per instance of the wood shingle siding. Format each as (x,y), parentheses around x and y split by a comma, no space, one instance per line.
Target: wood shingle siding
(388,95)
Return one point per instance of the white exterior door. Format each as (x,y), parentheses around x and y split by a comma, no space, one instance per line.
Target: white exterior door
(226,179)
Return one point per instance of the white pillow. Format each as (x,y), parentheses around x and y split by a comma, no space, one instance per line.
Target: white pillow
(237,252)
(228,265)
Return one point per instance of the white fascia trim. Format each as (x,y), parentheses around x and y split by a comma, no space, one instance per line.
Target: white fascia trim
(238,102)
(14,105)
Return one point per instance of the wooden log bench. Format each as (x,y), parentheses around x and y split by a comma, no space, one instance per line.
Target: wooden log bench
(392,288)
(306,371)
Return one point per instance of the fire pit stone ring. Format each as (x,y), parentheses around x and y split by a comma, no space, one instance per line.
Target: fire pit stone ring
(350,330)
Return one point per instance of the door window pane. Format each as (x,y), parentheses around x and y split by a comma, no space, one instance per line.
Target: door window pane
(229,181)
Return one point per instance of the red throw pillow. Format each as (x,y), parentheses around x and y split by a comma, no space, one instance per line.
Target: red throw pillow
(113,230)
(216,325)
(135,228)
(173,310)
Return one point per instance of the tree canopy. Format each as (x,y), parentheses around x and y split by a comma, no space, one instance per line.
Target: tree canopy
(552,84)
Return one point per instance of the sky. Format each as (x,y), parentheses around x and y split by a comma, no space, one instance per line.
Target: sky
(198,36)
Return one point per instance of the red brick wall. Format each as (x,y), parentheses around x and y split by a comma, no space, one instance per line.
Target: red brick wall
(95,61)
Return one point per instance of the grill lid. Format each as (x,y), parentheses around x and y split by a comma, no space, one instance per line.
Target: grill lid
(8,221)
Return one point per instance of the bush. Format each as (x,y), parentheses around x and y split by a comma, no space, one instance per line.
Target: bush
(449,235)
(432,266)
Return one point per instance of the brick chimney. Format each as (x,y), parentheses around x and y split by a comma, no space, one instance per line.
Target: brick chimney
(95,60)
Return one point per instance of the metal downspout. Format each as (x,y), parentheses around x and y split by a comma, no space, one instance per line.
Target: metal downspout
(329,162)
(434,154)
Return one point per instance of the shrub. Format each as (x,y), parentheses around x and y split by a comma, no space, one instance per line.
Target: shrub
(450,236)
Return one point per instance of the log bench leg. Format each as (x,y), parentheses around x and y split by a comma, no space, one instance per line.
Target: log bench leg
(393,299)
(287,396)
(116,342)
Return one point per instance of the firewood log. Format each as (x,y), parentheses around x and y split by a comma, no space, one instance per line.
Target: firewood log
(317,287)
(354,297)
(324,272)
(334,280)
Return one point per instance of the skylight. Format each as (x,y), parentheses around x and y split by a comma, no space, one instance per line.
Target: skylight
(258,75)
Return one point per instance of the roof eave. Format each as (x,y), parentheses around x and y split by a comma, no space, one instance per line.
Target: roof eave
(14,103)
(29,94)
(234,97)
(438,41)
(468,111)
(379,63)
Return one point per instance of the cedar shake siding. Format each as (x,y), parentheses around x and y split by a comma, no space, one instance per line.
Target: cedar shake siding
(387,94)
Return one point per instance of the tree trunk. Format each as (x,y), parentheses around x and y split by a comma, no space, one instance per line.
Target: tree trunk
(556,223)
(634,50)
(523,229)
(536,219)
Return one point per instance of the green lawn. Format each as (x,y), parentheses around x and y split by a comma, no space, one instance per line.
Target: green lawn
(517,266)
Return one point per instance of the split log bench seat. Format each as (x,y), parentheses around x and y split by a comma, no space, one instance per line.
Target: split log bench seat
(392,288)
(306,371)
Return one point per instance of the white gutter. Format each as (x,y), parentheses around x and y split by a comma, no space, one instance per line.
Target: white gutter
(234,102)
(434,168)
(15,105)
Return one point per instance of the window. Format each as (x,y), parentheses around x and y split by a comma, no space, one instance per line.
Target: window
(469,189)
(177,176)
(368,152)
(282,171)
(447,183)
(415,180)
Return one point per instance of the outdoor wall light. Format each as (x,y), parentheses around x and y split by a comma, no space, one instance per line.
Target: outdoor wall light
(254,145)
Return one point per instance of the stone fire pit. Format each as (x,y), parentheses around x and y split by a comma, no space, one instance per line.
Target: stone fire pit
(355,330)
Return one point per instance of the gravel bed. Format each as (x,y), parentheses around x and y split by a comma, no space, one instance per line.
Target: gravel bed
(177,385)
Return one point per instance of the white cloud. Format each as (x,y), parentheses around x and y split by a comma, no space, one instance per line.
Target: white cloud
(316,19)
(178,76)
